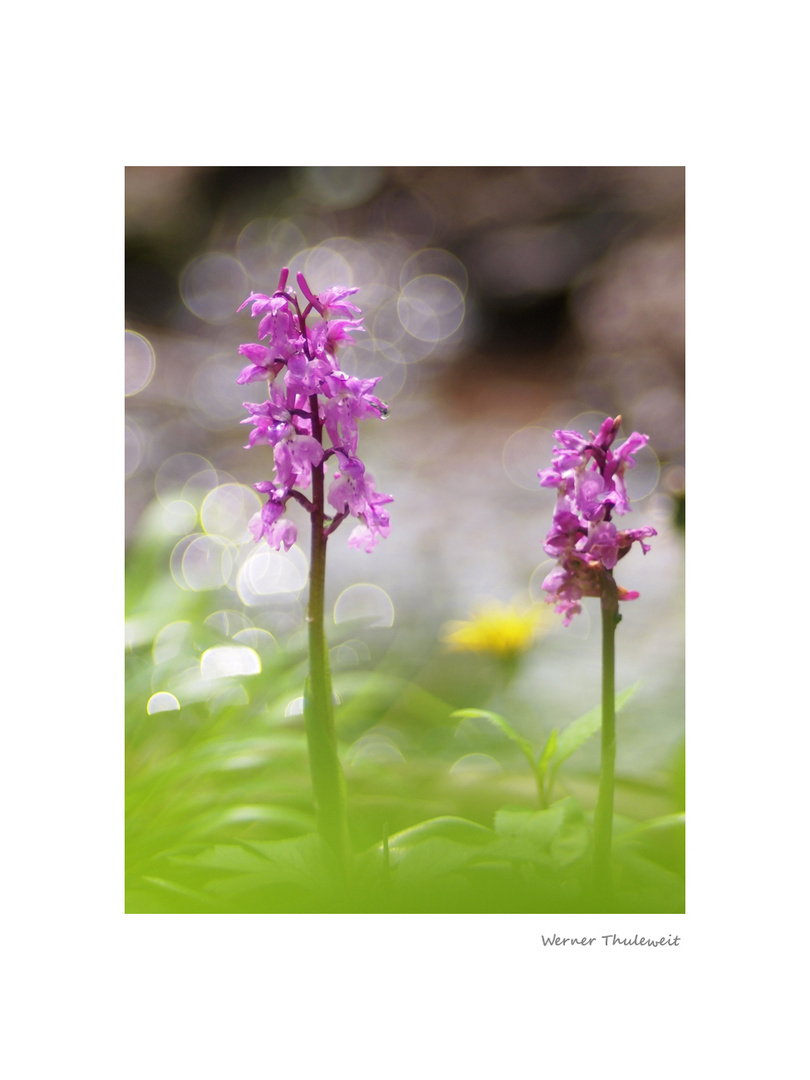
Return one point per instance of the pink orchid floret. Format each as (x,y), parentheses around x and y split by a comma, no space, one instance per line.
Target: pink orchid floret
(352,491)
(268,523)
(298,360)
(589,478)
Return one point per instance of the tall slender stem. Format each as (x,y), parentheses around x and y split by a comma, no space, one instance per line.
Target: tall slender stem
(603,816)
(328,781)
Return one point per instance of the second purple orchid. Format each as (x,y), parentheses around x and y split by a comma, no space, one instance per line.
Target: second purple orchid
(589,477)
(309,396)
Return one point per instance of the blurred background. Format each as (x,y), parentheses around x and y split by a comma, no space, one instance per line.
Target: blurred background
(500,303)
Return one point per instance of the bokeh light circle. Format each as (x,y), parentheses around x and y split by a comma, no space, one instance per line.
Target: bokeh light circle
(386,323)
(341,186)
(367,603)
(171,641)
(227,622)
(162,702)
(583,422)
(537,593)
(198,486)
(374,749)
(475,767)
(207,563)
(176,558)
(216,395)
(134,447)
(365,267)
(261,641)
(526,451)
(431,307)
(139,363)
(228,661)
(213,286)
(175,473)
(265,245)
(179,517)
(642,479)
(226,511)
(267,573)
(325,267)
(371,358)
(435,261)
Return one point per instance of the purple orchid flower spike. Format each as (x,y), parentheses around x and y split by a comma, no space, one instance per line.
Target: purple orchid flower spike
(309,396)
(589,477)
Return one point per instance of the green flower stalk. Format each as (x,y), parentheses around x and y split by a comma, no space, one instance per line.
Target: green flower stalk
(589,478)
(309,400)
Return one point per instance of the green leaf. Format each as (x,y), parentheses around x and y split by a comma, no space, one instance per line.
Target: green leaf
(503,725)
(636,869)
(434,858)
(579,731)
(458,829)
(281,816)
(553,837)
(223,857)
(302,860)
(667,821)
(178,890)
(571,842)
(548,752)
(538,826)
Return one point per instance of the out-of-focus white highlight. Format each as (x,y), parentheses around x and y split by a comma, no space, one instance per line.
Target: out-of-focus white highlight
(228,623)
(365,602)
(170,640)
(227,510)
(225,661)
(256,638)
(207,563)
(374,749)
(179,517)
(162,702)
(139,363)
(184,476)
(324,267)
(474,767)
(267,573)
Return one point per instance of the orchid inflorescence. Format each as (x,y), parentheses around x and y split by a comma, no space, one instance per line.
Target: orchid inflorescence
(589,477)
(314,396)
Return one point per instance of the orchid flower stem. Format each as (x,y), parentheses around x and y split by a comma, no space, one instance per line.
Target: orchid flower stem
(328,781)
(603,816)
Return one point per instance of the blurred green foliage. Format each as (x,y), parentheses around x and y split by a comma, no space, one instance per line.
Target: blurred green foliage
(444,815)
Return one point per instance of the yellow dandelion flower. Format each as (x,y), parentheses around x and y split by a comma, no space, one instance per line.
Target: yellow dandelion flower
(502,630)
